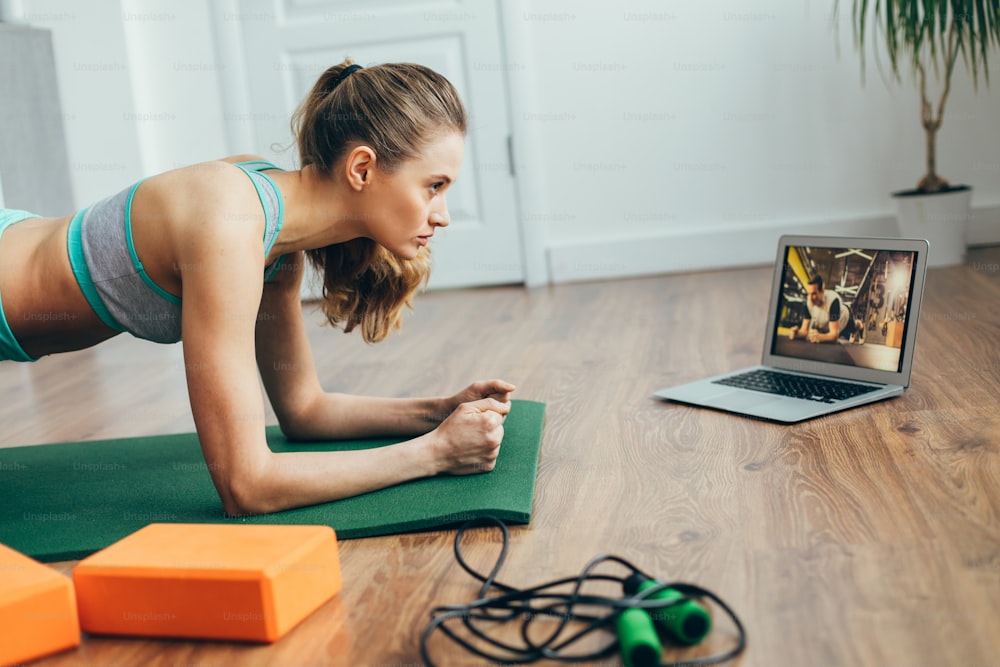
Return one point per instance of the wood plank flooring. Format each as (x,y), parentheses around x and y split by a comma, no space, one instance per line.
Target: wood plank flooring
(868,537)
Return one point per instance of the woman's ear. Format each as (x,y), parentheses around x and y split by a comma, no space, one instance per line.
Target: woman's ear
(360,167)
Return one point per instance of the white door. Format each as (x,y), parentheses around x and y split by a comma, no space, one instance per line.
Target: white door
(283,46)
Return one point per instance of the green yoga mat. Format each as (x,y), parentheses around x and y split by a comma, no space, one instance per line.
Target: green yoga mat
(66,501)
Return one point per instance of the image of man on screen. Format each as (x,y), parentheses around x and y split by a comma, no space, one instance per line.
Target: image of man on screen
(829,317)
(844,306)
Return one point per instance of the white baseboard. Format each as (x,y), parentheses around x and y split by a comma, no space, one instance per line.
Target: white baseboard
(721,246)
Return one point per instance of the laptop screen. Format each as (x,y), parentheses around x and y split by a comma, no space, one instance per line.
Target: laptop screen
(845,306)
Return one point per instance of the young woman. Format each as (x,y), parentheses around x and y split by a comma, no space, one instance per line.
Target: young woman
(213,254)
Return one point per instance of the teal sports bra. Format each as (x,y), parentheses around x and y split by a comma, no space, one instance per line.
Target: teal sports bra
(113,278)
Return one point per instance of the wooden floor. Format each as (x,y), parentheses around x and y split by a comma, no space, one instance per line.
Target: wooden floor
(870,537)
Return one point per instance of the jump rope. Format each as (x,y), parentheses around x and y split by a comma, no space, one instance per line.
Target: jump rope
(646,609)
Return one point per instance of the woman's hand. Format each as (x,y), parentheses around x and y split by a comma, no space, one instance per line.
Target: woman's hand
(468,441)
(495,389)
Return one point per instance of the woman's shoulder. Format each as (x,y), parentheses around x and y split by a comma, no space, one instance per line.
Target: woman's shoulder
(194,195)
(224,168)
(211,177)
(244,157)
(220,180)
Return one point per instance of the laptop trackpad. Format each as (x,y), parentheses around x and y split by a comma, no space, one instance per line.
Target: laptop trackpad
(740,400)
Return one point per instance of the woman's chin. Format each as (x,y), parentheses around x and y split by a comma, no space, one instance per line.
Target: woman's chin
(405,254)
(408,252)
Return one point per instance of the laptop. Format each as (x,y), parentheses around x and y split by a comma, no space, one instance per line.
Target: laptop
(841,328)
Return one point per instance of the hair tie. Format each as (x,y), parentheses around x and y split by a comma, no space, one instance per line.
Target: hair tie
(348,71)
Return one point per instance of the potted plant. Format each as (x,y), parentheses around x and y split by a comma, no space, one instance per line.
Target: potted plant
(930,37)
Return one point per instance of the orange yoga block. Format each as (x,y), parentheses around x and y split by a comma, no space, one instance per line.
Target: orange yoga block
(211,581)
(37,609)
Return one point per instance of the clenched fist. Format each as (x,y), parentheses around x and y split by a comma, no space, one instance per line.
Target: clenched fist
(468,441)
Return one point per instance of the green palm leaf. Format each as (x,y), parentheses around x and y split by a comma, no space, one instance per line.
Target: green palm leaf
(929,36)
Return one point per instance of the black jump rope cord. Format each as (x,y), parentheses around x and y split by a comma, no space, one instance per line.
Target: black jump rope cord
(512,604)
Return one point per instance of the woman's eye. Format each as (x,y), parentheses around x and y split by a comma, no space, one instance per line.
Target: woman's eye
(436,187)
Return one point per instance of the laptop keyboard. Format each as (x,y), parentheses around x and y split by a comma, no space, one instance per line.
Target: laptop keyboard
(796,386)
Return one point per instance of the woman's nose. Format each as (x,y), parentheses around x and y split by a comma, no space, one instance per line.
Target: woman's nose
(440,218)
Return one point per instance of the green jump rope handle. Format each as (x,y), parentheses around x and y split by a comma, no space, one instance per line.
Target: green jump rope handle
(687,622)
(640,645)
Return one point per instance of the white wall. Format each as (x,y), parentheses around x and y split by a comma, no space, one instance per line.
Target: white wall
(138,85)
(676,136)
(94,89)
(650,135)
(175,82)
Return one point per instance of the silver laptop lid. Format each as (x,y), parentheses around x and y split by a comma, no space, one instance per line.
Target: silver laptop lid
(880,281)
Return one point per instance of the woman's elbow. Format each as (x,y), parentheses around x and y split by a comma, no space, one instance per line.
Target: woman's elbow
(249,505)
(247,494)
(295,428)
(297,422)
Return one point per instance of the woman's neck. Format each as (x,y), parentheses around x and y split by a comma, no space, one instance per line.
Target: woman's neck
(319,211)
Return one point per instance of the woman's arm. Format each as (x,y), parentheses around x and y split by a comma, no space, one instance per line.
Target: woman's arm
(222,296)
(287,368)
(304,410)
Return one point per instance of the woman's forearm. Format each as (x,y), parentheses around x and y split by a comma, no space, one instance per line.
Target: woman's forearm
(297,479)
(257,481)
(334,416)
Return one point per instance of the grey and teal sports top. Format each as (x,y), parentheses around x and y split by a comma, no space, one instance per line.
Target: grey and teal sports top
(115,282)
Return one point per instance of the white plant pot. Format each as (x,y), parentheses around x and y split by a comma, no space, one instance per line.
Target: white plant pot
(941,218)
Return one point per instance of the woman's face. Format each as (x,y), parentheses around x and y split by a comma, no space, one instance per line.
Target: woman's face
(408,204)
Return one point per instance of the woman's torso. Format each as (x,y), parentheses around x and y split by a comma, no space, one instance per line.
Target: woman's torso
(130,243)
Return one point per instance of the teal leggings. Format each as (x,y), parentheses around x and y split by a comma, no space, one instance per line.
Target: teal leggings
(10,349)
